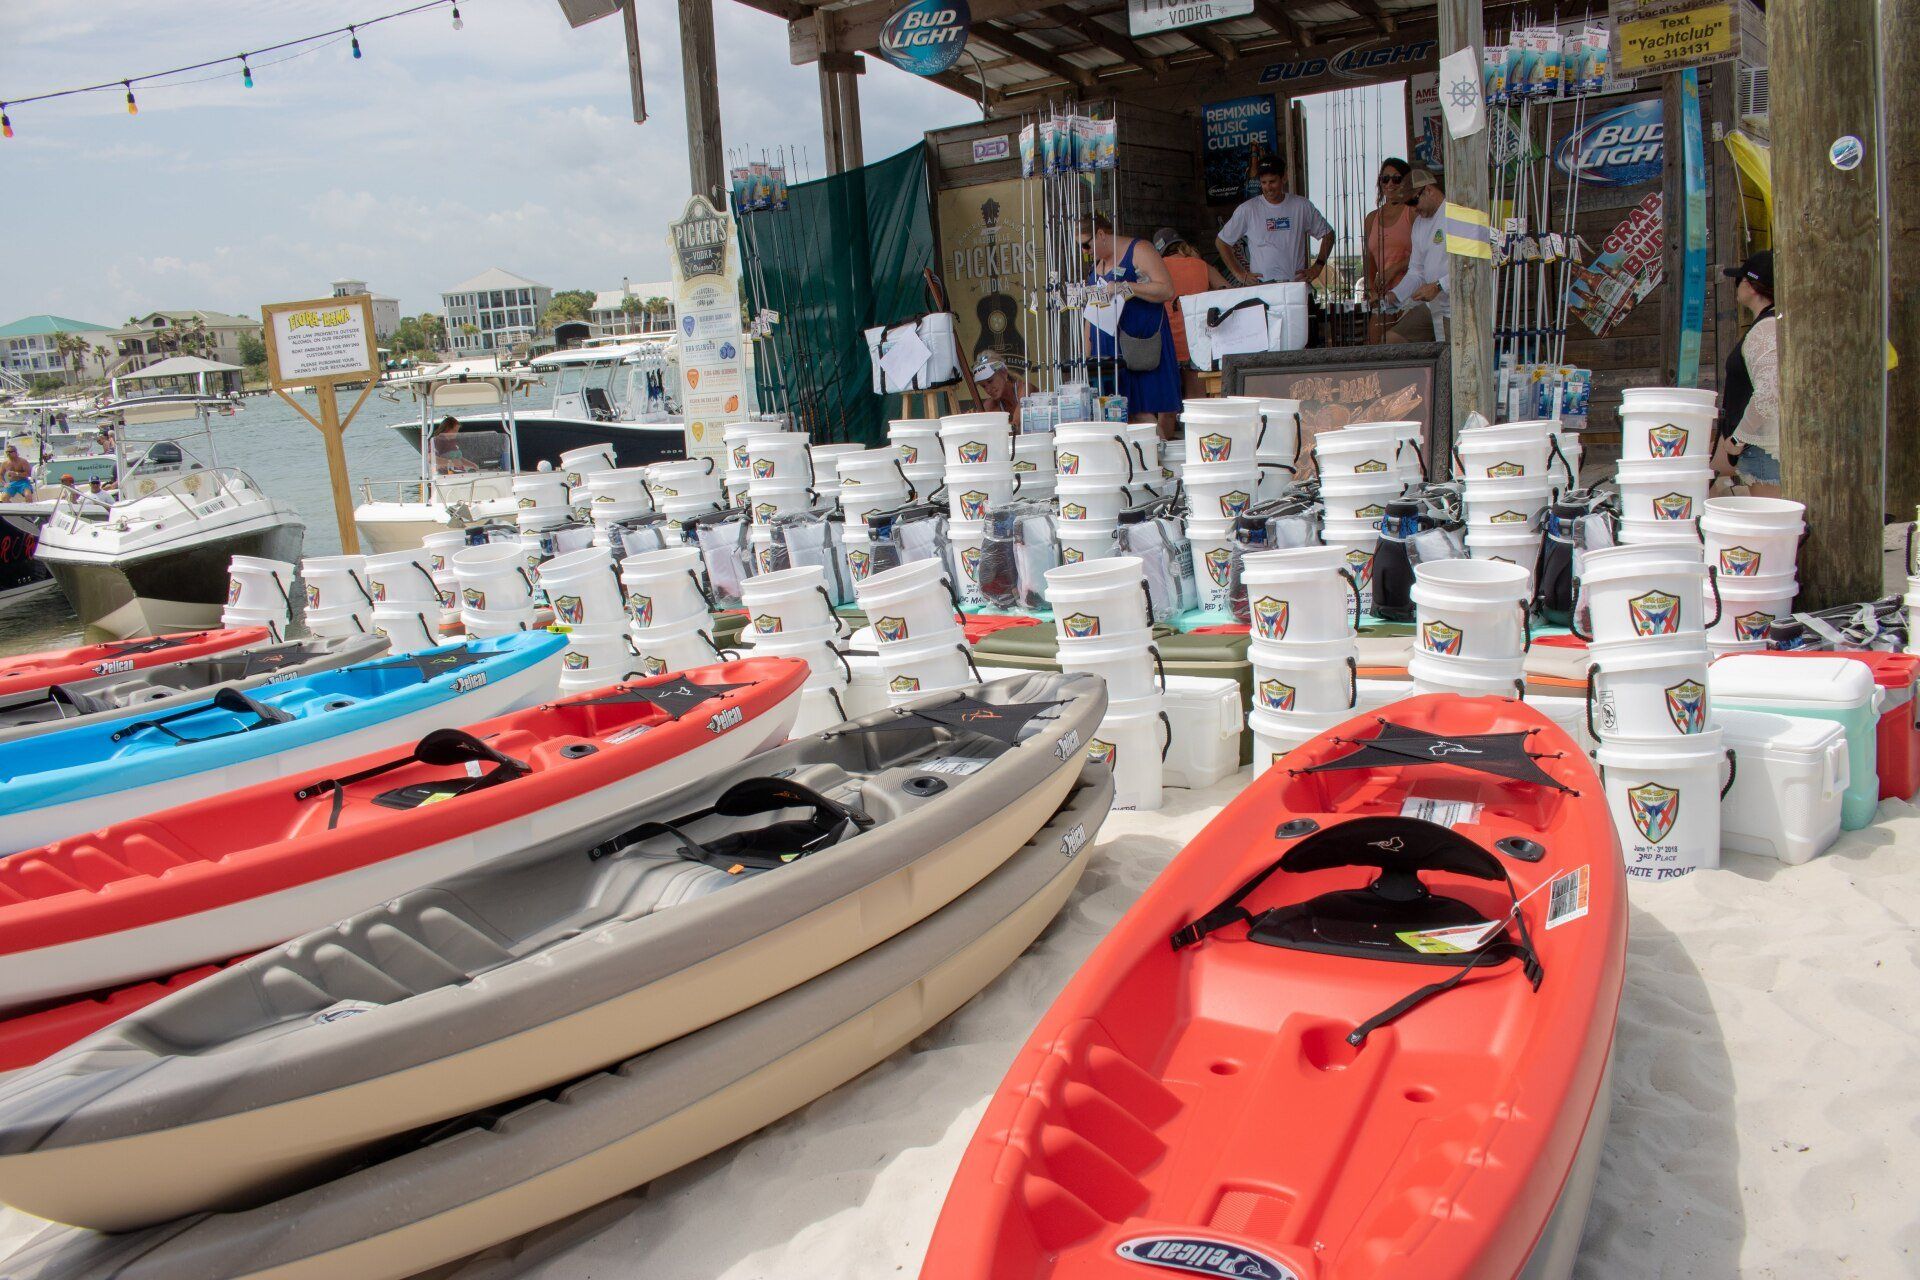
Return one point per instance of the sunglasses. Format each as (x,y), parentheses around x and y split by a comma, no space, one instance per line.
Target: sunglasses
(1392,177)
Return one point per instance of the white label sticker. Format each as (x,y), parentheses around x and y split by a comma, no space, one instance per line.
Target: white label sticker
(962,765)
(1444,813)
(1568,896)
(1453,940)
(627,735)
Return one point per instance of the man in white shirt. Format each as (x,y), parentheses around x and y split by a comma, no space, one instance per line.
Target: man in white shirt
(1423,290)
(1276,226)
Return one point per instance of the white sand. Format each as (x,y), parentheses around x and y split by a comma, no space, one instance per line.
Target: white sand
(1764,1123)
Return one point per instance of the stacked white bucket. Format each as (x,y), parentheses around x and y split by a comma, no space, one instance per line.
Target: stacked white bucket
(1221,475)
(1660,756)
(611,496)
(1362,468)
(870,481)
(781,483)
(496,588)
(1033,464)
(1470,627)
(1507,474)
(1753,546)
(1095,474)
(1100,610)
(977,451)
(684,489)
(1666,439)
(588,602)
(668,610)
(790,615)
(921,645)
(338,602)
(921,460)
(739,473)
(441,548)
(259,594)
(1301,607)
(406,599)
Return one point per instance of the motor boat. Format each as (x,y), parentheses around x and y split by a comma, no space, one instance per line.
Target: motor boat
(623,394)
(21,576)
(153,557)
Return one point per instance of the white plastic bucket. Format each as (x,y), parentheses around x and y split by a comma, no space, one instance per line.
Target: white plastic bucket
(1033,453)
(908,603)
(604,651)
(484,625)
(1631,596)
(1665,798)
(882,467)
(336,582)
(1515,545)
(1220,490)
(970,439)
(1357,540)
(584,589)
(440,548)
(1648,688)
(1300,594)
(1665,423)
(1213,439)
(683,481)
(790,600)
(608,514)
(339,621)
(827,667)
(1094,449)
(925,478)
(976,489)
(782,456)
(257,583)
(1127,661)
(965,538)
(1471,677)
(406,630)
(821,707)
(1368,449)
(927,666)
(736,436)
(1470,609)
(1749,606)
(1212,544)
(1753,537)
(1667,533)
(1133,740)
(401,578)
(826,463)
(1663,490)
(768,500)
(1512,501)
(1348,498)
(539,489)
(856,549)
(858,501)
(1275,733)
(917,439)
(1280,432)
(1085,540)
(1098,598)
(617,485)
(674,646)
(1314,676)
(274,620)
(683,511)
(1095,499)
(577,464)
(663,587)
(1509,451)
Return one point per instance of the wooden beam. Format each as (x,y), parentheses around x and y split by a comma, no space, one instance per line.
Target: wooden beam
(1030,51)
(706,159)
(1900,65)
(1114,42)
(1270,12)
(1470,280)
(1829,271)
(1213,42)
(1384,21)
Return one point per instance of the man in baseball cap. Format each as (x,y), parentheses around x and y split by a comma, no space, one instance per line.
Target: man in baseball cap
(1423,290)
(1755,271)
(1275,226)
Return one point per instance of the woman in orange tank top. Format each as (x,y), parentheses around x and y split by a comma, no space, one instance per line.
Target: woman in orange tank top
(1191,274)
(1388,238)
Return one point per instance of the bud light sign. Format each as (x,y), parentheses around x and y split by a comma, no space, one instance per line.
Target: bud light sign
(927,37)
(1617,148)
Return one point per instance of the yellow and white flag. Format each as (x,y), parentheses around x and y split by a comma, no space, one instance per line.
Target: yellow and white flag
(1468,233)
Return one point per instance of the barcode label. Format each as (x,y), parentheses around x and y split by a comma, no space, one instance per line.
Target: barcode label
(962,765)
(1445,813)
(1567,897)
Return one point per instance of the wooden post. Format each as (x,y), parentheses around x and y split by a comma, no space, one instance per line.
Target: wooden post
(1829,272)
(321,344)
(705,158)
(1899,65)
(334,432)
(852,149)
(1470,329)
(636,82)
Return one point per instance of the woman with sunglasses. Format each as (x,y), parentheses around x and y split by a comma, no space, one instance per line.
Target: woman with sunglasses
(1388,239)
(1141,348)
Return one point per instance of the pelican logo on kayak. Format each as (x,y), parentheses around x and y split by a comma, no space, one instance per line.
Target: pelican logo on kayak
(1505,471)
(1074,841)
(1068,742)
(1202,1257)
(1272,617)
(1654,809)
(1438,637)
(1215,447)
(972,452)
(1687,706)
(469,682)
(1656,613)
(725,720)
(1667,441)
(1740,562)
(112,666)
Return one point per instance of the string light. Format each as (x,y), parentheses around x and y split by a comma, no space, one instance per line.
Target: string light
(457,24)
(6,125)
(133,108)
(246,72)
(356,42)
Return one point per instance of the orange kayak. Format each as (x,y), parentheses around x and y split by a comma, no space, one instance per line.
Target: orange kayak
(1359,1029)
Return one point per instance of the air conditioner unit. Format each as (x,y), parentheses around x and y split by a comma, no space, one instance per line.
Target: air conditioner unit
(1752,94)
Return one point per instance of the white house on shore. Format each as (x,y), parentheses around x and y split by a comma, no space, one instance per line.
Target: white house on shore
(30,346)
(494,309)
(611,316)
(153,336)
(386,310)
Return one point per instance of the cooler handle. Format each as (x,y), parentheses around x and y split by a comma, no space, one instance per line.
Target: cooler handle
(1733,771)
(1839,767)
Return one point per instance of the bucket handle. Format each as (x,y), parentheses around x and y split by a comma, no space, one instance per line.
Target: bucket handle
(1353,582)
(840,624)
(1733,771)
(1519,689)
(1166,747)
(1260,436)
(1593,730)
(1353,682)
(285,599)
(1573,620)
(522,571)
(971,664)
(1299,434)
(1159,666)
(1553,448)
(701,588)
(838,705)
(1713,585)
(703,634)
(1910,569)
(359,586)
(1459,466)
(846,667)
(708,459)
(1526,627)
(1147,591)
(436,586)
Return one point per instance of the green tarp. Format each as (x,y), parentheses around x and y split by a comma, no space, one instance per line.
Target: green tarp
(847,254)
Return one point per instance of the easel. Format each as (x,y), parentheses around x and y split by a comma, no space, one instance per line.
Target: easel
(326,313)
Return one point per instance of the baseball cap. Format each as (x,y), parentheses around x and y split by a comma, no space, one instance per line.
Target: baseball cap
(1419,178)
(1274,165)
(986,366)
(1165,238)
(1758,268)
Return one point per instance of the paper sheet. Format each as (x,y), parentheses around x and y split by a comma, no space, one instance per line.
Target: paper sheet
(905,358)
(1105,318)
(1243,331)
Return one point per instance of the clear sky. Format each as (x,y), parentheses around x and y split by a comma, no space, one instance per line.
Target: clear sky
(436,155)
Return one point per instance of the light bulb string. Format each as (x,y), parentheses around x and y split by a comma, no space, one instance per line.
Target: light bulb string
(336,35)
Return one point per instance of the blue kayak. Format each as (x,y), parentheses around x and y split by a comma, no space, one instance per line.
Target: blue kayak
(74,780)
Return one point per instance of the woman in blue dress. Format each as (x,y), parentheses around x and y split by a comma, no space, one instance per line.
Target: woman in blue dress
(1152,394)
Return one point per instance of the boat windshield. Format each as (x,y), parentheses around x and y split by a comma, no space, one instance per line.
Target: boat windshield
(471,449)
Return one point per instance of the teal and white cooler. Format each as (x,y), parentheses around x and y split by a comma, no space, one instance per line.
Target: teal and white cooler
(1832,689)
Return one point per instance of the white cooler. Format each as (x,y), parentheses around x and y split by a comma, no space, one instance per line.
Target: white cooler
(1286,328)
(1204,715)
(1792,776)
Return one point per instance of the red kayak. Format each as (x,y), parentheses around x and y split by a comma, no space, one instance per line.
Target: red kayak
(1359,1029)
(251,868)
(34,1034)
(27,678)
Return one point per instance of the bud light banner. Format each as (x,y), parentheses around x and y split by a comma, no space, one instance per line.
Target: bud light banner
(927,37)
(1619,147)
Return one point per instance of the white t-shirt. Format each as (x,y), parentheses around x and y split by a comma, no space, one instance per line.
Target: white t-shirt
(1427,264)
(1276,234)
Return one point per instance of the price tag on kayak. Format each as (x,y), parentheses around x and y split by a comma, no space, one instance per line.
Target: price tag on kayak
(1444,813)
(1568,896)
(961,765)
(1452,941)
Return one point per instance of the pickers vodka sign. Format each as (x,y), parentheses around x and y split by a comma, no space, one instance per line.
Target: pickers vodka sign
(700,240)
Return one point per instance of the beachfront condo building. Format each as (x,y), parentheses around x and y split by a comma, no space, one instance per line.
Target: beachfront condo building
(386,310)
(494,310)
(613,316)
(213,335)
(30,347)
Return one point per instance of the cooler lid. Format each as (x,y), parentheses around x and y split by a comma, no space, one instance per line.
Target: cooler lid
(1890,670)
(1748,731)
(1805,681)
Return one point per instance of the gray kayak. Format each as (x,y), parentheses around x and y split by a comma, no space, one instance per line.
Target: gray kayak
(162,688)
(643,928)
(461,1187)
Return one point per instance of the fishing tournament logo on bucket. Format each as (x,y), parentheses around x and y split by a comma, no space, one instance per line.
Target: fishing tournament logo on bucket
(313,596)
(1505,471)
(574,660)
(379,590)
(904,684)
(1271,617)
(1667,441)
(909,453)
(892,630)
(1080,626)
(1740,562)
(568,612)
(972,451)
(1073,511)
(858,562)
(1673,506)
(1438,637)
(1371,467)
(767,624)
(1361,563)
(1215,447)
(1275,696)
(740,457)
(473,597)
(1372,511)
(1099,752)
(1654,809)
(1657,613)
(763,468)
(653,666)
(765,512)
(1233,505)
(1508,517)
(1072,555)
(1203,1257)
(973,505)
(970,563)
(1752,626)
(1069,464)
(641,607)
(1219,562)
(1687,706)
(233,591)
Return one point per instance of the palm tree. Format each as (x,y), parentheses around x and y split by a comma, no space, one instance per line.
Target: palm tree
(630,307)
(659,312)
(72,350)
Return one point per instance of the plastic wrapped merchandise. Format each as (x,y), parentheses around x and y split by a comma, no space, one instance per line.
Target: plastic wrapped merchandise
(916,532)
(646,533)
(1017,547)
(1166,562)
(722,539)
(814,539)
